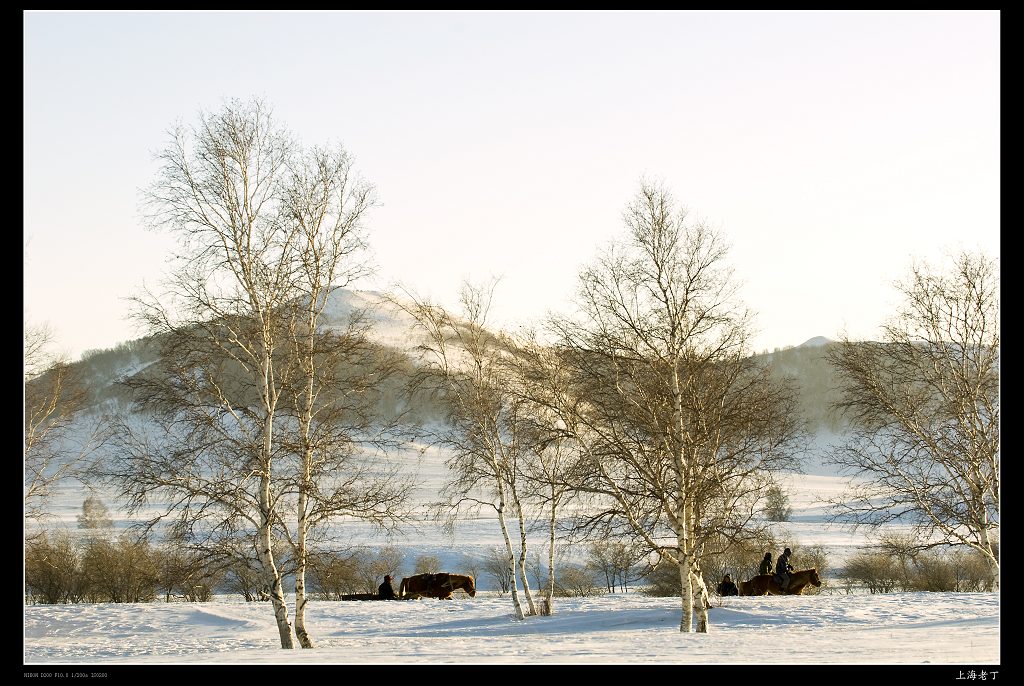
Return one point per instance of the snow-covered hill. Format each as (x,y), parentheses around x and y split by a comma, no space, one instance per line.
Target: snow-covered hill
(816,342)
(389,324)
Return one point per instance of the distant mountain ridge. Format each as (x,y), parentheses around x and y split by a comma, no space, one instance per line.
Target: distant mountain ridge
(393,328)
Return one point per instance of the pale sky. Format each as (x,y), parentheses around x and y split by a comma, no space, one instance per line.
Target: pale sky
(829,148)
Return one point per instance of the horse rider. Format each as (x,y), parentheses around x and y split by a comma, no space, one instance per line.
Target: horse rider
(783,568)
(386,591)
(766,564)
(727,587)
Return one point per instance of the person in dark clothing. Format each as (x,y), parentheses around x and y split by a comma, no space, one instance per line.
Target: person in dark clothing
(386,591)
(766,564)
(727,587)
(782,568)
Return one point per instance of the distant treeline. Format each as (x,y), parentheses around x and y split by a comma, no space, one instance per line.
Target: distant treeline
(97,567)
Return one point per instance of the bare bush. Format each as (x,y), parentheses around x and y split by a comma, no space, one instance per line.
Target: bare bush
(124,570)
(52,569)
(333,575)
(245,577)
(577,581)
(815,556)
(386,561)
(427,564)
(874,570)
(663,581)
(187,574)
(496,566)
(738,557)
(896,566)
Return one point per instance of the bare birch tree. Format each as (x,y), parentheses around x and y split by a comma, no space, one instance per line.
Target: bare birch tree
(337,373)
(213,398)
(468,364)
(237,425)
(551,468)
(924,409)
(678,425)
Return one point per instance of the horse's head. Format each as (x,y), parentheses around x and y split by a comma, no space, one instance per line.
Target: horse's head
(470,587)
(744,588)
(814,577)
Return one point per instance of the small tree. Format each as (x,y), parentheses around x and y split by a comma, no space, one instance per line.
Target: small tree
(495,565)
(95,514)
(472,565)
(536,569)
(776,505)
(615,562)
(488,425)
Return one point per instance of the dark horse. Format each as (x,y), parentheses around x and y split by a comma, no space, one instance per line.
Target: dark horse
(765,584)
(440,585)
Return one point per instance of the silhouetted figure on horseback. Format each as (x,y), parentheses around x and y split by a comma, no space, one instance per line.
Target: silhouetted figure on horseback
(783,568)
(766,564)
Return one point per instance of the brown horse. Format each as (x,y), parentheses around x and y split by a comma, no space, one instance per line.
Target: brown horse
(765,584)
(440,585)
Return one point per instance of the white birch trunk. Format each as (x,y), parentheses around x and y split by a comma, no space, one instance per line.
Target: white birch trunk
(511,556)
(703,603)
(550,593)
(265,552)
(522,559)
(686,621)
(300,571)
(271,573)
(992,560)
(302,523)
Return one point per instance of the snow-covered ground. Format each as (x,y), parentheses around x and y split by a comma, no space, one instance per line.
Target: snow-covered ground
(897,628)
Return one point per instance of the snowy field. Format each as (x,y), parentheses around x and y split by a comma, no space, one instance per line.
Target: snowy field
(959,631)
(894,629)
